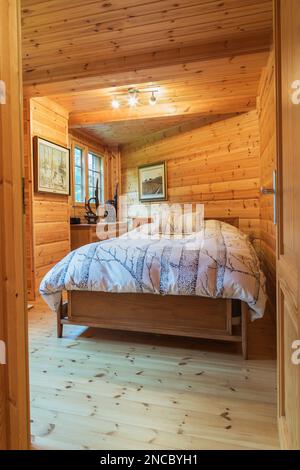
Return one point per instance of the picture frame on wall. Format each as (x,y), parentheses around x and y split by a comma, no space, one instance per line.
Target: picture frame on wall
(152,179)
(51,167)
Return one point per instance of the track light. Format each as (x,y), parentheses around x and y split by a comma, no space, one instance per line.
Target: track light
(152,99)
(132,100)
(133,95)
(115,104)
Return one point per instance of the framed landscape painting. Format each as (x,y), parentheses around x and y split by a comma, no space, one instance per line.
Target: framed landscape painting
(51,167)
(152,182)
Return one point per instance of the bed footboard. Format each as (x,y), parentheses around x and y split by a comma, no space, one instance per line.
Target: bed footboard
(192,316)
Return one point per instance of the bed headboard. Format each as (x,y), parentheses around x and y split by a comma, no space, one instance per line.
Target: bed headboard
(235,221)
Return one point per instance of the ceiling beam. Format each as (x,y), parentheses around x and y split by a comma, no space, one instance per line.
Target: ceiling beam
(222,105)
(136,68)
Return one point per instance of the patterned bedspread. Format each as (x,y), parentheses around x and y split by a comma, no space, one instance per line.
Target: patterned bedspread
(218,261)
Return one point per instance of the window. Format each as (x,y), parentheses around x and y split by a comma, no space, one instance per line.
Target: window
(88,168)
(79,187)
(95,173)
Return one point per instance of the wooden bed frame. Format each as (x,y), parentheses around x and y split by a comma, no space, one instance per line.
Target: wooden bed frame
(193,316)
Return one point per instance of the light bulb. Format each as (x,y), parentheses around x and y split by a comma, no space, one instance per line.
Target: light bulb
(152,99)
(132,101)
(115,104)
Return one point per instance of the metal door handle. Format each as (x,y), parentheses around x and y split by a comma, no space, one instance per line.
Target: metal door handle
(272,191)
(265,191)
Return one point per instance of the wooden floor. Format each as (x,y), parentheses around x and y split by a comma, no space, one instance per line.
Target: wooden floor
(108,390)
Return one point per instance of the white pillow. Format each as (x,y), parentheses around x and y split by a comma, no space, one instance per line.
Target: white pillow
(175,223)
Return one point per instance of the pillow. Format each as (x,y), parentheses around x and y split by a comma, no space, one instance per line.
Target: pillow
(192,222)
(177,223)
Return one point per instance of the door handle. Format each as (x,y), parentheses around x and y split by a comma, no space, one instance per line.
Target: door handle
(267,191)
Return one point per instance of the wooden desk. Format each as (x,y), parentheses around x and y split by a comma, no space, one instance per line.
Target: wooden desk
(83,234)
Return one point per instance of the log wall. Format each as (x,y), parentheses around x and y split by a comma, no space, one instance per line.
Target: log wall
(217,164)
(47,215)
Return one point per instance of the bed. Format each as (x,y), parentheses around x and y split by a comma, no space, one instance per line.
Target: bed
(202,285)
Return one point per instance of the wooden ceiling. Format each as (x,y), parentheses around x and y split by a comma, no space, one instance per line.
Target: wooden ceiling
(69,39)
(204,56)
(219,86)
(126,132)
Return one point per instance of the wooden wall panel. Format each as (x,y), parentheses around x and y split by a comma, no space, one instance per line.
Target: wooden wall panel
(47,215)
(267,126)
(217,164)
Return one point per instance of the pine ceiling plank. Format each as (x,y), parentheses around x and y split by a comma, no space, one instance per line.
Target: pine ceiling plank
(71,39)
(63,63)
(124,133)
(220,105)
(137,40)
(205,56)
(76,103)
(130,14)
(101,23)
(201,72)
(152,37)
(150,66)
(109,9)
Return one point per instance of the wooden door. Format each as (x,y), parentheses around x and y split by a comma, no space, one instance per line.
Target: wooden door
(14,394)
(287,22)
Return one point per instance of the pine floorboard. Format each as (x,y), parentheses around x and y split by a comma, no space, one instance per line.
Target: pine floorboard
(100,389)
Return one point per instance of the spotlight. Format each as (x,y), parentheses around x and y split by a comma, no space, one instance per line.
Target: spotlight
(152,99)
(132,100)
(115,104)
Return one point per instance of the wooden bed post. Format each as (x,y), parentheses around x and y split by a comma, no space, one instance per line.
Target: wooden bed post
(59,322)
(244,319)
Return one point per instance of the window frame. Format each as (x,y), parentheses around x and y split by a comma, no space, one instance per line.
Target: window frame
(100,172)
(86,149)
(83,166)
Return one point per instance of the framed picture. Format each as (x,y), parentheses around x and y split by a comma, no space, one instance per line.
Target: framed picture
(51,167)
(152,182)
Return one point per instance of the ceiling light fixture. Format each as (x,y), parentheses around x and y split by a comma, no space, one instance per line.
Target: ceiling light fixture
(132,97)
(115,104)
(132,101)
(152,100)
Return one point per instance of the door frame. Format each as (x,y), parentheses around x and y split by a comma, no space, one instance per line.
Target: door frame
(279,248)
(288,288)
(14,390)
